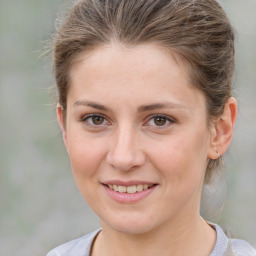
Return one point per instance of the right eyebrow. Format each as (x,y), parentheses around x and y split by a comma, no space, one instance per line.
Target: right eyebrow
(160,106)
(90,104)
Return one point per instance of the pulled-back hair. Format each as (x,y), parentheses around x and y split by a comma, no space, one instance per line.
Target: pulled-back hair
(198,31)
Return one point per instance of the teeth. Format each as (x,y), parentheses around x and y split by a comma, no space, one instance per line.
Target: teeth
(145,186)
(139,188)
(130,189)
(122,189)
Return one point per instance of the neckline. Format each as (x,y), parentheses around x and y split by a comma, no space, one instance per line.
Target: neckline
(221,241)
(219,248)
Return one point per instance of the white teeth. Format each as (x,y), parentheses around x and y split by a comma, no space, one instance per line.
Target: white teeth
(145,186)
(122,189)
(130,189)
(139,188)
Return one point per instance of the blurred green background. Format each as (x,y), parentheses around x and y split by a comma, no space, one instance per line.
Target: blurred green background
(40,205)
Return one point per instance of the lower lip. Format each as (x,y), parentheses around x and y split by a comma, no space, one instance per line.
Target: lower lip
(129,198)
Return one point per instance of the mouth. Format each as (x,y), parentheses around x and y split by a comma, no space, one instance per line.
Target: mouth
(128,192)
(129,189)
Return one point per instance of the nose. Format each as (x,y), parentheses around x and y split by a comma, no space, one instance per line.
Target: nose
(125,151)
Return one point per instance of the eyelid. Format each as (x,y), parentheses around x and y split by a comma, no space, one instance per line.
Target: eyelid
(84,118)
(171,120)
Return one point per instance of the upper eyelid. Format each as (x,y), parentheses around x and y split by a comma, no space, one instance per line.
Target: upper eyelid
(87,116)
(147,119)
(171,119)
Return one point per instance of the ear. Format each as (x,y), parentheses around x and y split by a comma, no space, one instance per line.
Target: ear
(59,110)
(222,130)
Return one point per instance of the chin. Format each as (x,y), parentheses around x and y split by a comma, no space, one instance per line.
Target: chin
(133,225)
(132,229)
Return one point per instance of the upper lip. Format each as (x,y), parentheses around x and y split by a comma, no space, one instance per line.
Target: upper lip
(127,183)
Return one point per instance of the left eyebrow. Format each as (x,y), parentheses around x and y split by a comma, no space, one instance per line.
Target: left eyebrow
(159,106)
(90,104)
(141,109)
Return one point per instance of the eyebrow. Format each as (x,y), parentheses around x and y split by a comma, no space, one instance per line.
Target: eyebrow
(141,109)
(159,106)
(90,104)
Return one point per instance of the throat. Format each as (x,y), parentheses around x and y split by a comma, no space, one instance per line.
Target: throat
(201,241)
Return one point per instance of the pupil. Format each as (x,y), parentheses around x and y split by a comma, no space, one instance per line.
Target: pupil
(97,120)
(159,121)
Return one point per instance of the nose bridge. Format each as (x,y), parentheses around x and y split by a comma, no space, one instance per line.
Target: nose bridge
(125,152)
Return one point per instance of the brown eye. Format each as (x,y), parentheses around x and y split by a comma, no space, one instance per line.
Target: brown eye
(160,121)
(98,120)
(94,120)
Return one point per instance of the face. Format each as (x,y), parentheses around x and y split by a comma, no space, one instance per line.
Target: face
(137,137)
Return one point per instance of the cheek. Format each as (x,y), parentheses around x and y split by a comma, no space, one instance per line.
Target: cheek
(86,158)
(181,157)
(85,155)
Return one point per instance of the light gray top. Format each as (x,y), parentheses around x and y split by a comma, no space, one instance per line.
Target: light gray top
(223,247)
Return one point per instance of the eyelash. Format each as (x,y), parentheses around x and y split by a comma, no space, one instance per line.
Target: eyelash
(168,121)
(85,120)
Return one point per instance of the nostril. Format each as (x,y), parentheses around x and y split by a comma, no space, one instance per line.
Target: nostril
(125,153)
(125,161)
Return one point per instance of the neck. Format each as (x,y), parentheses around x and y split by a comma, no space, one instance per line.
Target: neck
(177,238)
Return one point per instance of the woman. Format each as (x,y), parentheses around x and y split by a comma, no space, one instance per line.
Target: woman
(146,112)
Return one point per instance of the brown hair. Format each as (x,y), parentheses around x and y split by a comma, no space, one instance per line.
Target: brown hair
(197,30)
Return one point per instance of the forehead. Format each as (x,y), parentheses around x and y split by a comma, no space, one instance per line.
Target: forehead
(117,54)
(146,72)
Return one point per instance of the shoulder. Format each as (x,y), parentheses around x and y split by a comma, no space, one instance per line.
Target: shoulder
(78,247)
(230,247)
(242,248)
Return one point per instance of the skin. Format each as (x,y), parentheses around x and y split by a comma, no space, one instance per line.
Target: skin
(126,88)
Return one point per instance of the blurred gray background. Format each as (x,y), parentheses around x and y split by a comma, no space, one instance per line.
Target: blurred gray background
(40,205)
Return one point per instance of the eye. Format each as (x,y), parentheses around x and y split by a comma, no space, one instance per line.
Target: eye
(94,120)
(97,120)
(159,121)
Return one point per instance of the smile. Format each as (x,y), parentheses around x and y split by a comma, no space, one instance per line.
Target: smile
(129,189)
(128,192)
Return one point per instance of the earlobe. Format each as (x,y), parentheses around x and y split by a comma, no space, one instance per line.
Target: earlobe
(59,110)
(222,130)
